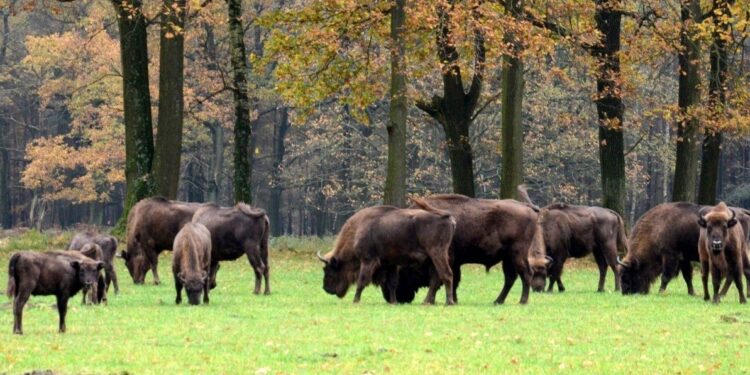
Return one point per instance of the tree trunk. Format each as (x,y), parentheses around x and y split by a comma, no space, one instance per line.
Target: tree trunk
(512,107)
(139,143)
(6,220)
(716,100)
(242,127)
(277,187)
(395,180)
(686,162)
(609,106)
(455,109)
(217,162)
(171,73)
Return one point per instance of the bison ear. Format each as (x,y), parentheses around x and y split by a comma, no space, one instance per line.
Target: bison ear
(75,264)
(732,222)
(702,222)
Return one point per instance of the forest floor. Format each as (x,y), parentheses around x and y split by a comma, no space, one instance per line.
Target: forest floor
(301,329)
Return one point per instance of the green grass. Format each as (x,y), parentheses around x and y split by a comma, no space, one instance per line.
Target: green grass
(300,329)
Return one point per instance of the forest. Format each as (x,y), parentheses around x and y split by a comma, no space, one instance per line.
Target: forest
(312,110)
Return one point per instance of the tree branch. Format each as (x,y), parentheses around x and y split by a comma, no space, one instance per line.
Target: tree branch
(432,108)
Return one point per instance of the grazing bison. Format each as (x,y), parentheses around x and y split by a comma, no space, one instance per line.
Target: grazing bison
(721,247)
(152,225)
(487,232)
(58,273)
(236,231)
(375,241)
(108,244)
(98,292)
(577,231)
(665,241)
(191,260)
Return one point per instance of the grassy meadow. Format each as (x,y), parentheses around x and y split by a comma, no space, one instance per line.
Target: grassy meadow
(301,329)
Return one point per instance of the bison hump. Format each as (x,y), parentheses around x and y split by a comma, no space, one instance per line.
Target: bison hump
(250,211)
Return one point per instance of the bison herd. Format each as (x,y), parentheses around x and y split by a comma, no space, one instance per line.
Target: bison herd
(403,249)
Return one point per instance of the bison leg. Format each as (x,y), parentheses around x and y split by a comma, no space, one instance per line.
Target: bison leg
(266,271)
(206,287)
(19,301)
(253,256)
(704,280)
(62,309)
(736,274)
(687,274)
(669,271)
(434,285)
(445,274)
(610,255)
(602,265)
(725,288)
(366,270)
(509,271)
(178,288)
(716,282)
(555,274)
(391,284)
(155,269)
(212,271)
(456,280)
(111,278)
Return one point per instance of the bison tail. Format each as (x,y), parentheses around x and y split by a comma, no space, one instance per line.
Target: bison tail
(422,204)
(622,242)
(10,291)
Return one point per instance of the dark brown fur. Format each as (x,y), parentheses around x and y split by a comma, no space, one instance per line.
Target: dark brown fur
(383,238)
(236,231)
(98,292)
(721,249)
(108,244)
(191,260)
(58,273)
(153,224)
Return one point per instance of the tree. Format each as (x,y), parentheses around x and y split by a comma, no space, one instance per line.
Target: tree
(395,180)
(6,219)
(171,77)
(281,127)
(512,110)
(242,126)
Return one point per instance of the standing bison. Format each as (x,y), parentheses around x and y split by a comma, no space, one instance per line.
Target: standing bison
(108,245)
(721,248)
(98,291)
(153,224)
(58,273)
(487,232)
(376,241)
(576,231)
(191,260)
(236,231)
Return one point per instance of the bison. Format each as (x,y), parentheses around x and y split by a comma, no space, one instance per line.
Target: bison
(108,245)
(153,224)
(487,232)
(98,292)
(665,241)
(235,231)
(376,241)
(720,248)
(191,260)
(576,231)
(58,273)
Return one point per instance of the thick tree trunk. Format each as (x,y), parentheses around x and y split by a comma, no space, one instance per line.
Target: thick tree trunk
(277,186)
(716,100)
(512,107)
(171,73)
(609,106)
(395,180)
(686,162)
(6,219)
(242,126)
(139,143)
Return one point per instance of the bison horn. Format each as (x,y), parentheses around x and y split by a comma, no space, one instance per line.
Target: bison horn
(620,262)
(322,259)
(549,259)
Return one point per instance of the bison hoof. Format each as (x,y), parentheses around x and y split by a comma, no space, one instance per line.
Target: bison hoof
(17,332)
(178,301)
(450,303)
(267,292)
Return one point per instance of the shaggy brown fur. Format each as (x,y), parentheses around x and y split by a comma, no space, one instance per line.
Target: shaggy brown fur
(383,238)
(236,231)
(58,273)
(152,225)
(721,247)
(191,260)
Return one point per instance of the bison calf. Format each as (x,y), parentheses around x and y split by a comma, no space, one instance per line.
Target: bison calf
(383,238)
(108,244)
(58,273)
(191,261)
(98,292)
(721,247)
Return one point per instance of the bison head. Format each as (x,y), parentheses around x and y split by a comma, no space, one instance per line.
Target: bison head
(632,277)
(194,284)
(137,266)
(87,271)
(337,275)
(717,222)
(539,267)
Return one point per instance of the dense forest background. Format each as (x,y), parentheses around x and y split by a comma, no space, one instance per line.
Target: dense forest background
(625,104)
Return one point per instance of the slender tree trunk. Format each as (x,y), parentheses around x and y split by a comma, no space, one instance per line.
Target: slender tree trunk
(395,180)
(6,220)
(217,162)
(512,107)
(242,126)
(609,106)
(139,143)
(171,73)
(686,162)
(716,100)
(277,186)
